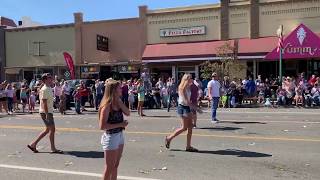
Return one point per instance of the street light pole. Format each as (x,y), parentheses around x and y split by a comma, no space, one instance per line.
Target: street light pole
(279,33)
(280,65)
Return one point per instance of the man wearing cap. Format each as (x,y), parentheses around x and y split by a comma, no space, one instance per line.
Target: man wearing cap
(46,112)
(214,91)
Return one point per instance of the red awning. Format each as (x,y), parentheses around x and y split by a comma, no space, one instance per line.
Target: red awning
(260,46)
(176,51)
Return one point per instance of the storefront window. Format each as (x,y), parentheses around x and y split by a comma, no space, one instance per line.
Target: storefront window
(39,71)
(186,70)
(89,72)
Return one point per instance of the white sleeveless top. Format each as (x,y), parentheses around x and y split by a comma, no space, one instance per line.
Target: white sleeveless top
(182,99)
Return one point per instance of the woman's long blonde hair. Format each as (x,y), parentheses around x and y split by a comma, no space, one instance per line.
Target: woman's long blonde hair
(184,82)
(109,94)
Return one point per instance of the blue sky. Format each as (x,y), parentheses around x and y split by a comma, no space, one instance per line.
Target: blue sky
(61,11)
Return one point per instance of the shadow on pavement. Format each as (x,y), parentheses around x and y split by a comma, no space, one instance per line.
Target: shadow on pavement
(242,122)
(220,128)
(159,116)
(231,152)
(85,154)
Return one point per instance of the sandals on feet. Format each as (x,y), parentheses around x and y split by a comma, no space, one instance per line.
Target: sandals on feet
(57,152)
(167,143)
(192,149)
(34,150)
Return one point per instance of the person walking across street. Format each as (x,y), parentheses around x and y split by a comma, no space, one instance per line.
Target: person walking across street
(46,113)
(112,122)
(184,112)
(214,91)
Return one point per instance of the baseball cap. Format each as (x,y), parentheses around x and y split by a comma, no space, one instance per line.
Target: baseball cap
(45,76)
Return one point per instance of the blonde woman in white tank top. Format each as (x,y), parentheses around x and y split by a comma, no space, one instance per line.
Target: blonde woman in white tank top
(184,112)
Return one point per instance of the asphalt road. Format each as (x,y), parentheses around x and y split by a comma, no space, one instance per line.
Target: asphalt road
(248,144)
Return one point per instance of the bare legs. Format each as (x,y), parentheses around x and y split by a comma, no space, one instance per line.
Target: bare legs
(140,108)
(186,124)
(49,129)
(112,159)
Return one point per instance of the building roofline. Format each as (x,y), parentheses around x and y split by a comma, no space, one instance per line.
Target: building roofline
(111,20)
(16,29)
(186,8)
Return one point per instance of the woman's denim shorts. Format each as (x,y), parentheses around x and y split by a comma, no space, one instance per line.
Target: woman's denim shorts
(183,111)
(112,141)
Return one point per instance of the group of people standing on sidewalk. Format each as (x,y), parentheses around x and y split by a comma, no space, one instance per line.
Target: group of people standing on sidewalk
(12,95)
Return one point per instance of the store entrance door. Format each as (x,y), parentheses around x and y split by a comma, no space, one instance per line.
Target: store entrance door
(313,67)
(186,70)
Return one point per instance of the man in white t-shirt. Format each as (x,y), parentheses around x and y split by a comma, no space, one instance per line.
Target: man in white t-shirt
(46,112)
(214,91)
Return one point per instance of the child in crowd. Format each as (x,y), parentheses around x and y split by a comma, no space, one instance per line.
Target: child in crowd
(261,90)
(23,97)
(299,94)
(281,96)
(224,97)
(32,101)
(131,99)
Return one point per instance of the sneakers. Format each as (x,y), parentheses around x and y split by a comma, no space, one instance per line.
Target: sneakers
(191,149)
(215,121)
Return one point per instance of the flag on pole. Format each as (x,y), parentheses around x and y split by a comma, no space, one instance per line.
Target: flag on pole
(69,62)
(280,39)
(280,43)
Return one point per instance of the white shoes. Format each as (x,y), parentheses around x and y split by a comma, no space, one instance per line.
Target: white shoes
(215,121)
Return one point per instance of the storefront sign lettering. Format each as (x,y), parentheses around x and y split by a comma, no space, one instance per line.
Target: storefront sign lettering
(187,31)
(302,43)
(127,69)
(290,49)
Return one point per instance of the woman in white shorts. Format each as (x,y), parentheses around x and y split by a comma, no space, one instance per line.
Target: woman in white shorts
(184,112)
(111,121)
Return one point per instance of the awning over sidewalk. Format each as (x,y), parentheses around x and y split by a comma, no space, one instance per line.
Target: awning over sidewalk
(13,70)
(256,47)
(182,51)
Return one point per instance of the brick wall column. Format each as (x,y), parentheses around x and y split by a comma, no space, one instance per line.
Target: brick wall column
(254,19)
(2,53)
(224,20)
(143,10)
(78,20)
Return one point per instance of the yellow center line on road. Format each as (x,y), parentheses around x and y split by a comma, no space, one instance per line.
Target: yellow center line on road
(244,137)
(249,121)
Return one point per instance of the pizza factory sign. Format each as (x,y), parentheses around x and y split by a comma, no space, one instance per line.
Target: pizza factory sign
(185,31)
(301,43)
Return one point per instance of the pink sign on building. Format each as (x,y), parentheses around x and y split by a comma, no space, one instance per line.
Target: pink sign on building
(302,43)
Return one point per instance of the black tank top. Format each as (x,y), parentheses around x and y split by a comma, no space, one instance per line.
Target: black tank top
(115,117)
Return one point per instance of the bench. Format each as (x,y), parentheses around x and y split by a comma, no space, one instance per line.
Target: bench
(250,100)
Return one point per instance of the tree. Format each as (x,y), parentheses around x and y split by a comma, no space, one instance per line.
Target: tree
(227,61)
